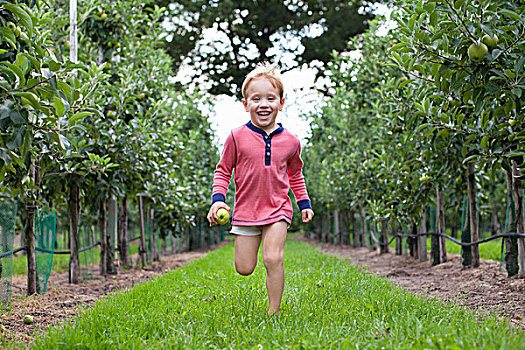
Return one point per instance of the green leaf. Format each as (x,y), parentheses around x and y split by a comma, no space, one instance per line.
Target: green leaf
(60,109)
(517,92)
(12,75)
(515,153)
(9,36)
(78,116)
(469,158)
(17,139)
(484,142)
(54,66)
(510,13)
(15,158)
(34,62)
(28,98)
(458,4)
(17,71)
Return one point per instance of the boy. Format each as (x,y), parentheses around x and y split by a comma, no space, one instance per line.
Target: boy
(266,159)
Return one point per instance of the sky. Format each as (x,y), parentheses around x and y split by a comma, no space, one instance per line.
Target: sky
(301,96)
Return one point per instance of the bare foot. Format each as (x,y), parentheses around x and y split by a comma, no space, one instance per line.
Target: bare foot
(272,312)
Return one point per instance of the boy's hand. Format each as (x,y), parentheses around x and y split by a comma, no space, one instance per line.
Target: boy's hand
(212,214)
(307,215)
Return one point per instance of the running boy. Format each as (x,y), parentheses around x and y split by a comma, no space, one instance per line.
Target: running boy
(266,159)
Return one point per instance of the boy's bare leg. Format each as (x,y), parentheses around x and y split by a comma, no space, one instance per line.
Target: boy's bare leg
(274,238)
(246,249)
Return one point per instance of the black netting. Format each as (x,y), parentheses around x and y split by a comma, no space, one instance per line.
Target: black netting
(87,257)
(45,236)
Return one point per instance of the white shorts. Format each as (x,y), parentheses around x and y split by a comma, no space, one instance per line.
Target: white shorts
(246,230)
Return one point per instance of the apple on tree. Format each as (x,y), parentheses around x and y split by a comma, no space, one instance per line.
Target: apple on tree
(490,41)
(477,53)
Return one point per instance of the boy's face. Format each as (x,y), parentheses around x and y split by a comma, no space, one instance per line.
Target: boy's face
(263,102)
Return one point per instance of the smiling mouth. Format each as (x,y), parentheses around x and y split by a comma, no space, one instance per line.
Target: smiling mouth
(263,115)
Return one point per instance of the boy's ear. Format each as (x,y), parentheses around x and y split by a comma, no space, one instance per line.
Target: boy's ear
(282,104)
(245,104)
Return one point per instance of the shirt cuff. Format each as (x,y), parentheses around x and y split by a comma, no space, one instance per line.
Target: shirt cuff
(218,197)
(304,204)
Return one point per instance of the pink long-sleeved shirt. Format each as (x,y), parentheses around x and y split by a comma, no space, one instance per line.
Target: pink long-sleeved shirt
(265,167)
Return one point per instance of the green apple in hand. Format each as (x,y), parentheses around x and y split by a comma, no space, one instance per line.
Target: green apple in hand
(223,216)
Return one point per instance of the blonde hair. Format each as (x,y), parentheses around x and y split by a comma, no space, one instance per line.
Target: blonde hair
(268,71)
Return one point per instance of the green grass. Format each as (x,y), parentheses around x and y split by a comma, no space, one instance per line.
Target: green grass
(327,304)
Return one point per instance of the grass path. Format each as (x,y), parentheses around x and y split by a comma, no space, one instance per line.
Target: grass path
(327,304)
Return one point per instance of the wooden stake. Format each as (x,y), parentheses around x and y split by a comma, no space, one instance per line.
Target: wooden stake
(123,232)
(473,213)
(74,213)
(519,216)
(422,241)
(30,237)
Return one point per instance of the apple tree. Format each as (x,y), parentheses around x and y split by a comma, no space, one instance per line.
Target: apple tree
(472,54)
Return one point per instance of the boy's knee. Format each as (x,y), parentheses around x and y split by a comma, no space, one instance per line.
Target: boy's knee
(273,259)
(244,270)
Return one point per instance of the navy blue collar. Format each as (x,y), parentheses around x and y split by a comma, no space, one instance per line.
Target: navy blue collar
(252,127)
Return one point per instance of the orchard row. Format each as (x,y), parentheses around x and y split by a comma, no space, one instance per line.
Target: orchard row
(428,114)
(88,115)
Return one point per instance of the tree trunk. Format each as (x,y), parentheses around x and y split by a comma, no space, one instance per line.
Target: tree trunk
(494,227)
(142,244)
(511,243)
(399,240)
(442,228)
(362,239)
(473,213)
(355,232)
(519,216)
(383,247)
(111,234)
(103,231)
(173,243)
(123,233)
(371,243)
(411,242)
(345,227)
(29,236)
(74,213)
(165,245)
(337,228)
(466,251)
